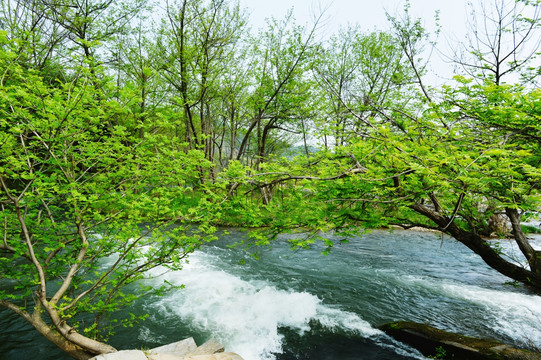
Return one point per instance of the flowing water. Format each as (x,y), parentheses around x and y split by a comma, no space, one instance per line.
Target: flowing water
(303,305)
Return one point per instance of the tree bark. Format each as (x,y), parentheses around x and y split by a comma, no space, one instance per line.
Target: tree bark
(532,256)
(64,344)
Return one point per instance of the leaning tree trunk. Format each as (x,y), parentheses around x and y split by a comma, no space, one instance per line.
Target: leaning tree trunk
(532,256)
(479,246)
(72,343)
(74,351)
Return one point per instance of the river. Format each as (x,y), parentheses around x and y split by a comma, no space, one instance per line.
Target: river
(303,305)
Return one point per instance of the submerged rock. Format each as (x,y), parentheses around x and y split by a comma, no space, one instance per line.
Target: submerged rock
(440,344)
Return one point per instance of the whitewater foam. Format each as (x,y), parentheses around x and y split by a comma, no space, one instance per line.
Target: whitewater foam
(246,315)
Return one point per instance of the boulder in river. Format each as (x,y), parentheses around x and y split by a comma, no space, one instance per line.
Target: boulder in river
(440,344)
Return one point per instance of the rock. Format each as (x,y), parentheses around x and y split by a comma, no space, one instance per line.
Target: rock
(165,357)
(441,344)
(208,348)
(179,348)
(509,353)
(122,355)
(218,356)
(187,349)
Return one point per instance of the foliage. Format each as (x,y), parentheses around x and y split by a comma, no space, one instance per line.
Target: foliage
(440,353)
(121,145)
(465,159)
(457,161)
(87,207)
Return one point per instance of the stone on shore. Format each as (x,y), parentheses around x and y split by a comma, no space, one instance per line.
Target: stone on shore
(218,356)
(185,349)
(122,355)
(210,347)
(179,348)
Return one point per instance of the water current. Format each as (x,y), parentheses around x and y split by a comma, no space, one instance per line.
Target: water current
(303,305)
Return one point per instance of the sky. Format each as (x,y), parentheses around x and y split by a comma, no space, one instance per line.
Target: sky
(367,13)
(370,15)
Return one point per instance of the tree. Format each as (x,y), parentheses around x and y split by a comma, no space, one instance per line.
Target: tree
(73,197)
(38,38)
(432,176)
(197,45)
(503,41)
(501,45)
(362,77)
(279,56)
(132,58)
(88,24)
(449,164)
(412,38)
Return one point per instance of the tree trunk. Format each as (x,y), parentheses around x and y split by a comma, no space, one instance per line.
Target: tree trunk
(532,256)
(244,142)
(479,246)
(64,340)
(73,338)
(65,345)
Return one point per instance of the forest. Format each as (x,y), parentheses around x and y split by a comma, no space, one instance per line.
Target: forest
(129,132)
